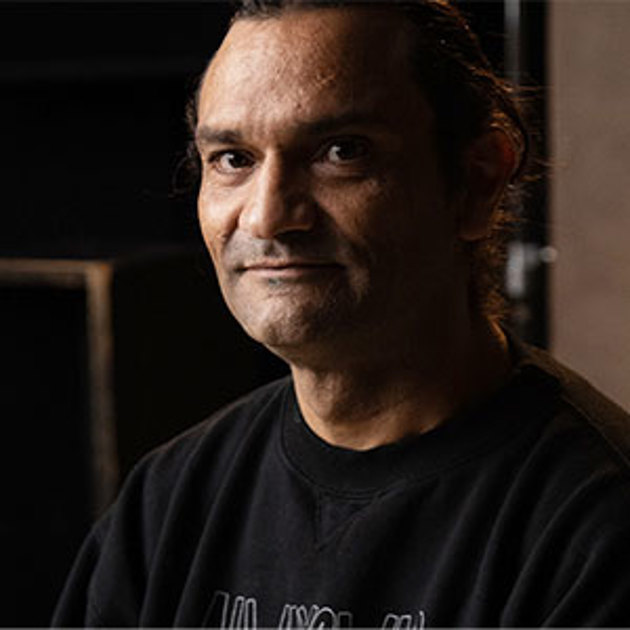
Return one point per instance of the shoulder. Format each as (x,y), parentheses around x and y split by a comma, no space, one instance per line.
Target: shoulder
(161,511)
(240,416)
(575,475)
(189,469)
(582,408)
(228,427)
(570,488)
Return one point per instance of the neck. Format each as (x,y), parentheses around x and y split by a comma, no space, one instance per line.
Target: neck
(364,403)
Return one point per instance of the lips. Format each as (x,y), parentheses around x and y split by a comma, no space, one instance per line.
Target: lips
(281,265)
(292,271)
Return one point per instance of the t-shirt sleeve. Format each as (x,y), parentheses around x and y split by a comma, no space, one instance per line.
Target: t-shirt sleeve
(107,582)
(74,608)
(577,574)
(599,594)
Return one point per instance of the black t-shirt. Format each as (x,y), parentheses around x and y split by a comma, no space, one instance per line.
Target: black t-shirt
(515,513)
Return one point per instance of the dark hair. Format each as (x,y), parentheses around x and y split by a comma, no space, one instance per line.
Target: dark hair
(467,98)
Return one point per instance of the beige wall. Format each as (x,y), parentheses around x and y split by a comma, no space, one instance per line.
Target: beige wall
(589,59)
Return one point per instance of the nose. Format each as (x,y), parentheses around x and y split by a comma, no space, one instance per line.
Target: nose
(278,203)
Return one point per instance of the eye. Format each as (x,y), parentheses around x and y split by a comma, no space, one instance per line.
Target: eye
(230,162)
(346,150)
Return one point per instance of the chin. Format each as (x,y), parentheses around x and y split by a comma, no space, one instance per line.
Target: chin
(287,332)
(287,321)
(291,332)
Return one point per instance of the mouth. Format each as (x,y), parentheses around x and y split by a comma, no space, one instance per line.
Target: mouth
(288,269)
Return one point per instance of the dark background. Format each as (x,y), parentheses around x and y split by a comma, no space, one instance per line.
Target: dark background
(93,98)
(94,138)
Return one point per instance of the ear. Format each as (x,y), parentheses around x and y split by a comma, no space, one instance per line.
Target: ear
(490,162)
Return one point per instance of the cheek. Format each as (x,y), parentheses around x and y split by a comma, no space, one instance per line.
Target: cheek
(357,210)
(419,208)
(402,223)
(217,219)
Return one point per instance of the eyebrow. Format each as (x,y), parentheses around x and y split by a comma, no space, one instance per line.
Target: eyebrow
(209,135)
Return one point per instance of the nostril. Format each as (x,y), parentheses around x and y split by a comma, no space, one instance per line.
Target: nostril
(273,217)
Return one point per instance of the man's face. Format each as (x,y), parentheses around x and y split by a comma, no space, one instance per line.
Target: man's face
(322,201)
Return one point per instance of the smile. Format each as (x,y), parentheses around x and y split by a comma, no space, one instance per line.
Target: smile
(290,270)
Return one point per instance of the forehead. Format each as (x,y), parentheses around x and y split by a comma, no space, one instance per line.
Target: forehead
(304,62)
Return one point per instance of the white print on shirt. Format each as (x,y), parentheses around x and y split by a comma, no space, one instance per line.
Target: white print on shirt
(315,617)
(241,613)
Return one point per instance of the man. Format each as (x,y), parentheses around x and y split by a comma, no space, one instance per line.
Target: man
(419,468)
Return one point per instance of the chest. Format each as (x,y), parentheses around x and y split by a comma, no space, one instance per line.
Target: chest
(274,550)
